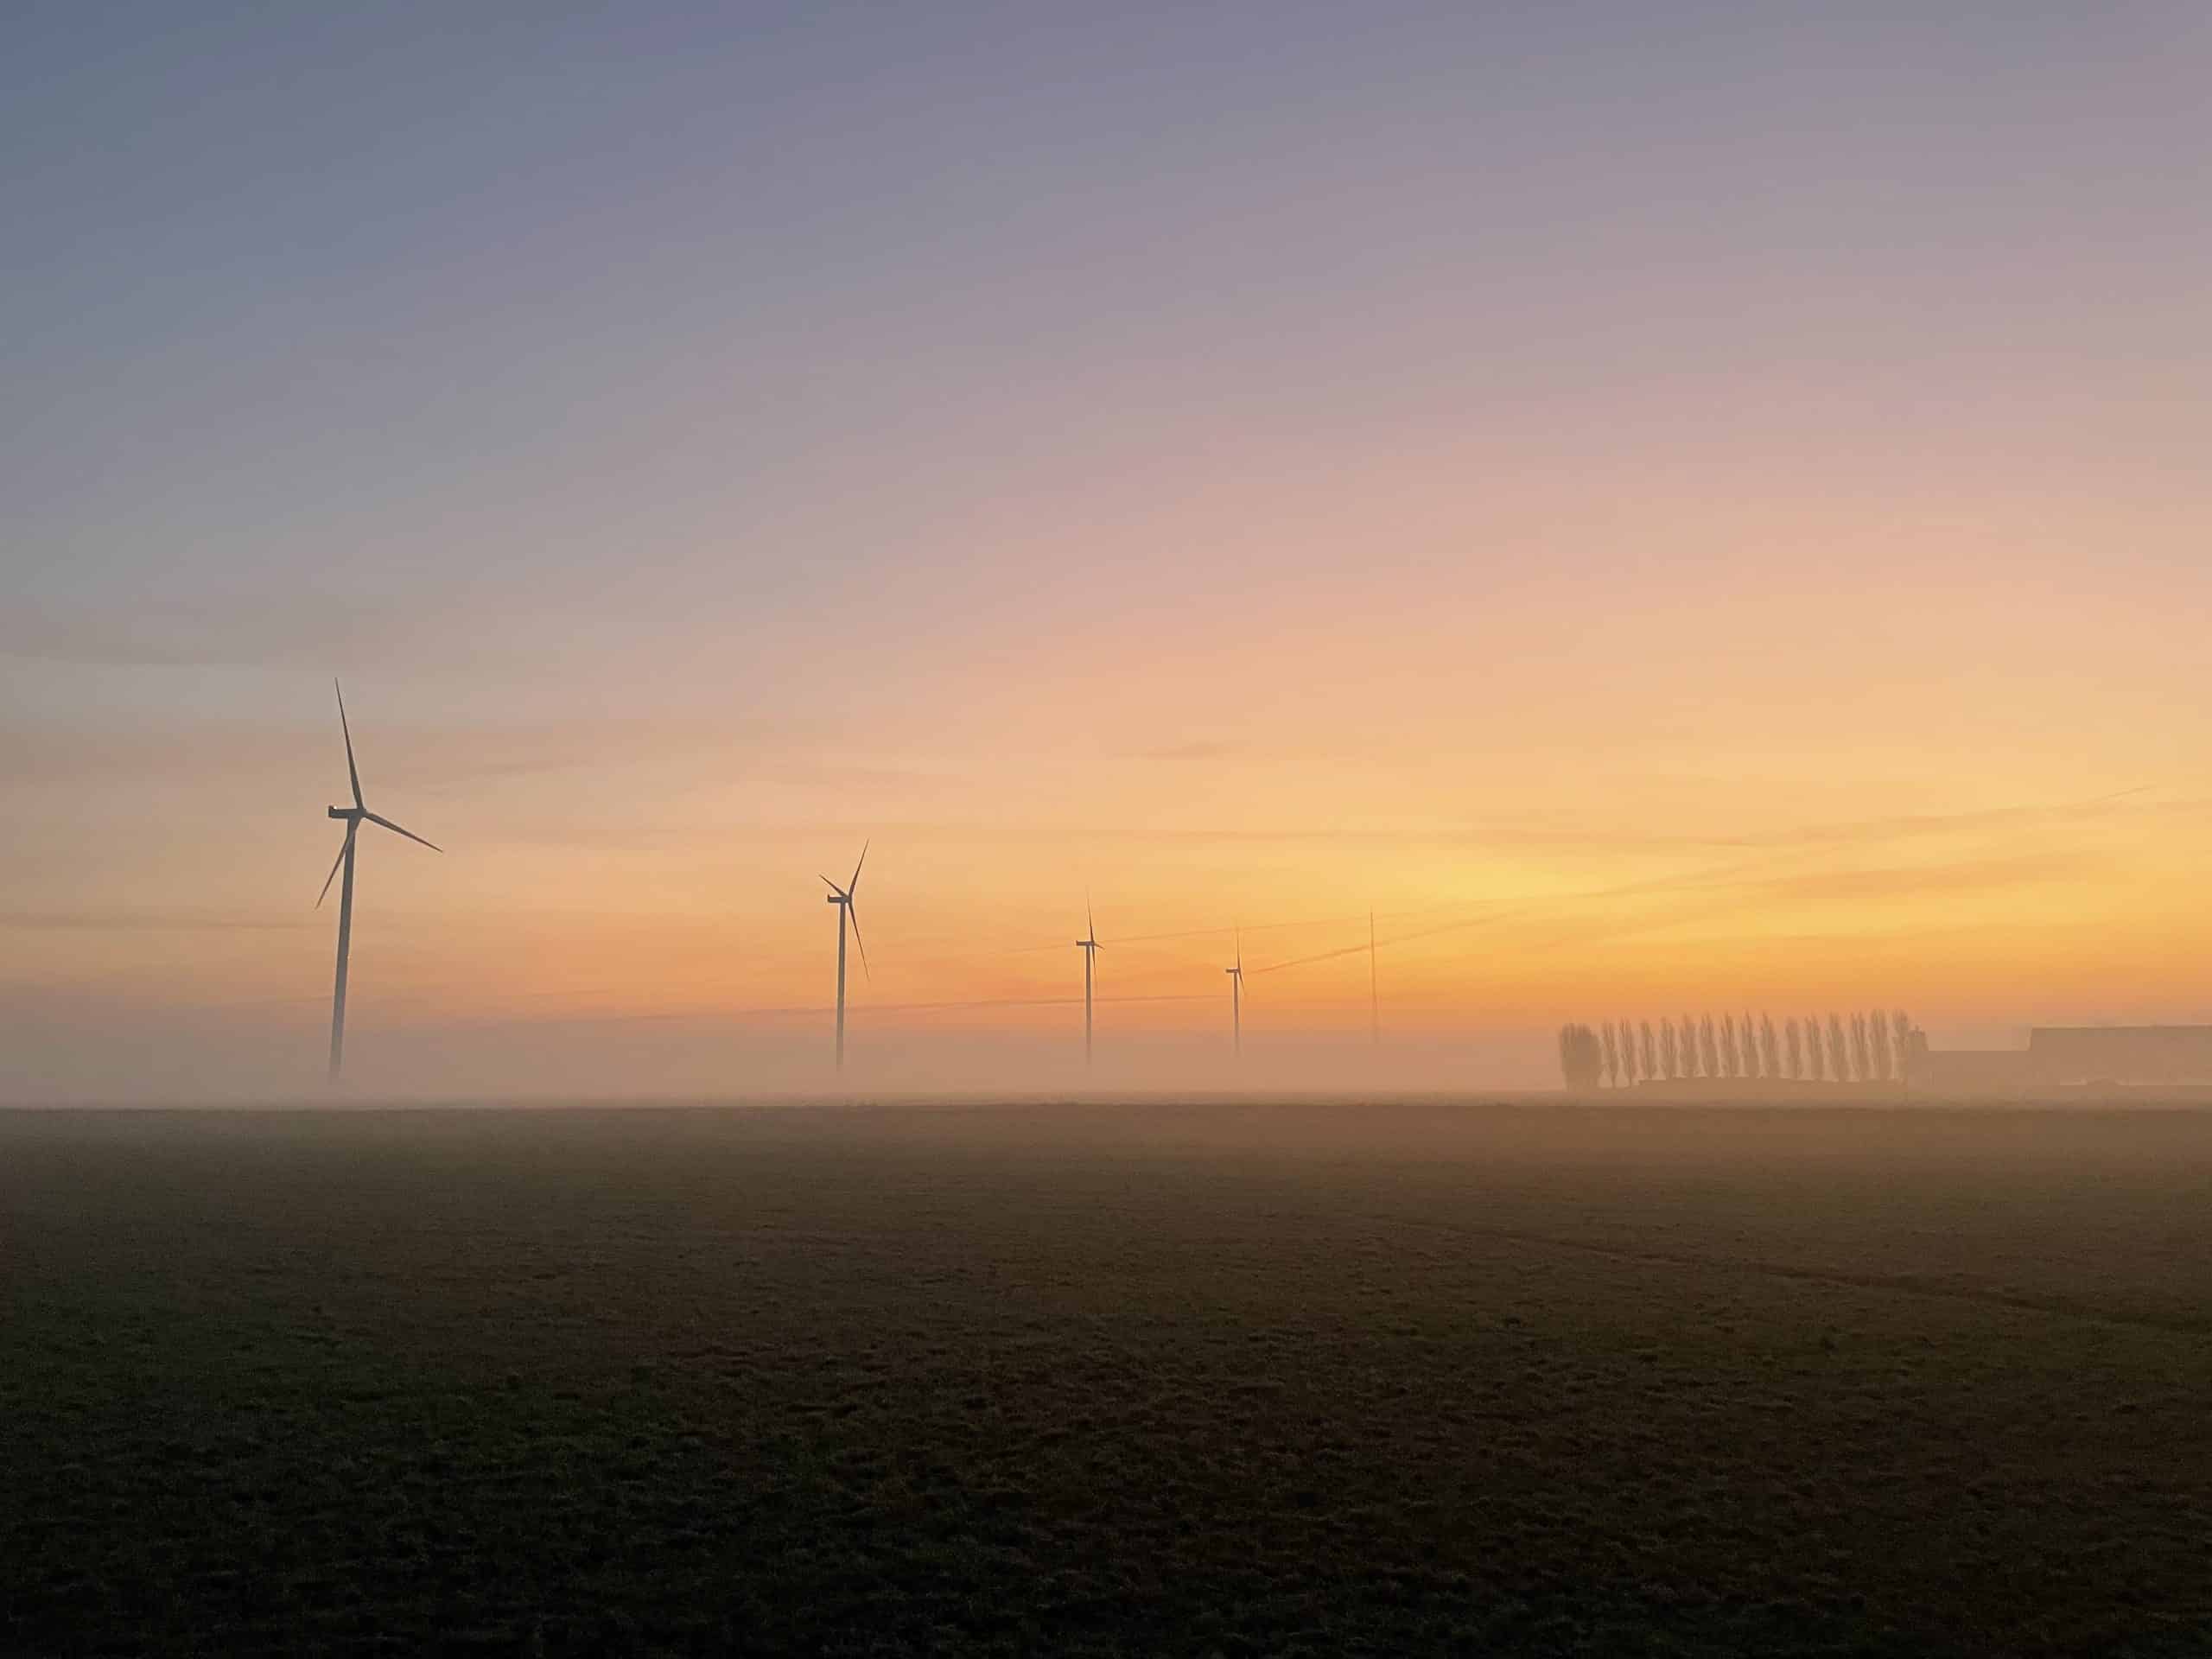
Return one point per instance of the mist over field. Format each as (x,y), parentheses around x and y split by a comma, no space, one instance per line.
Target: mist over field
(1138,1378)
(166,1063)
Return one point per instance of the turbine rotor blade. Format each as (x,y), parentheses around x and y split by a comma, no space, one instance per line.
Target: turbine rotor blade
(351,770)
(854,885)
(853,911)
(344,847)
(397,830)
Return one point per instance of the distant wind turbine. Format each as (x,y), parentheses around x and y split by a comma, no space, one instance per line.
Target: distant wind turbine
(354,816)
(1089,945)
(1237,997)
(1373,989)
(842,898)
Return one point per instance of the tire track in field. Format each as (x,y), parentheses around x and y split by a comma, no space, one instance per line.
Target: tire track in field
(1896,1283)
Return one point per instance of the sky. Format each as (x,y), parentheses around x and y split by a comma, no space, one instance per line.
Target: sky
(1669,508)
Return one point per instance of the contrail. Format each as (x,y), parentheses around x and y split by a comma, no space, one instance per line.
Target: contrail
(1216,932)
(1800,844)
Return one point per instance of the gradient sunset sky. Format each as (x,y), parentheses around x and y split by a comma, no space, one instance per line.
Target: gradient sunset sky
(1672,507)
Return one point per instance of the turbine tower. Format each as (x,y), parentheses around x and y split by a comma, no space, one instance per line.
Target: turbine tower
(1237,997)
(1374,988)
(353,816)
(1089,945)
(842,898)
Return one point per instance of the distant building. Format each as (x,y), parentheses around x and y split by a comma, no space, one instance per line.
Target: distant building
(2059,1057)
(2122,1053)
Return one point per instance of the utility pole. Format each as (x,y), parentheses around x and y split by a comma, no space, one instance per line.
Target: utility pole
(1374,991)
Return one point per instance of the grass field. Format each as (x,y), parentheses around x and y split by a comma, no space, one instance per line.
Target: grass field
(1379,1379)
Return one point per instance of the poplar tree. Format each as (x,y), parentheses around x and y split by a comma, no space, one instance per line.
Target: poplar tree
(1794,1042)
(1580,1056)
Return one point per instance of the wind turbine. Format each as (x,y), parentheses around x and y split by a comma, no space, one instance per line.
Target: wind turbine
(1089,945)
(355,815)
(1237,995)
(1373,988)
(842,898)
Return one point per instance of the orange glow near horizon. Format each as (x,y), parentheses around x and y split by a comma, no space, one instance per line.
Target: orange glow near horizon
(1983,918)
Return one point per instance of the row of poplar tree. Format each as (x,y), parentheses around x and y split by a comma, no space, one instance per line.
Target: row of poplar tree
(1852,1048)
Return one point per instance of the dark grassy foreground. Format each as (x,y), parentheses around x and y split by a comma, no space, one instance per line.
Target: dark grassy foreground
(1380,1380)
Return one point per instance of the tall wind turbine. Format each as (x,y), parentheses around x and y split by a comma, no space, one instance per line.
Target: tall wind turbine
(1089,945)
(1237,995)
(354,816)
(842,898)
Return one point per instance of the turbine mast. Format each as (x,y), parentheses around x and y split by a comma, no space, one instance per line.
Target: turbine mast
(344,946)
(841,983)
(1374,991)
